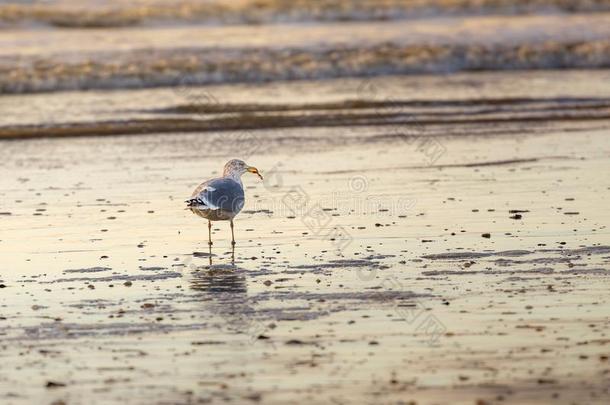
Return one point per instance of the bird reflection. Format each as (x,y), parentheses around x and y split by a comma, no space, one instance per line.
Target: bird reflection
(221,291)
(224,292)
(209,255)
(218,280)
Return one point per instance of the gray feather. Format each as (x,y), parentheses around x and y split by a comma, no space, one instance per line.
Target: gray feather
(222,193)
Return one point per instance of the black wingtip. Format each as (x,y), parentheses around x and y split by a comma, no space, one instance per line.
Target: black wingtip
(194,202)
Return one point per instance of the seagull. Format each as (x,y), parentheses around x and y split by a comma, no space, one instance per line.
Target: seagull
(222,198)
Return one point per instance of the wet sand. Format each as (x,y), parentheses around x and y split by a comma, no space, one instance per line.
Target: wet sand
(385,258)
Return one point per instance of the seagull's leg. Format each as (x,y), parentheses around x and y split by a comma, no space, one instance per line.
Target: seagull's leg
(209,232)
(232,234)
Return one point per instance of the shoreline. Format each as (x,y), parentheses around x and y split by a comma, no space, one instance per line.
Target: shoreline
(466,261)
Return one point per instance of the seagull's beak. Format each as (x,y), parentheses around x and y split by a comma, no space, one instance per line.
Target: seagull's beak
(254,170)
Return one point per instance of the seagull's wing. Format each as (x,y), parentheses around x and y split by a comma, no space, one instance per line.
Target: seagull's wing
(223,193)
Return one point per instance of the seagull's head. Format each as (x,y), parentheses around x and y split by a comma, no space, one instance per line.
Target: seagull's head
(236,167)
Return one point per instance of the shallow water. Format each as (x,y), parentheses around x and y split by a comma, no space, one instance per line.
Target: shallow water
(113,13)
(392,260)
(34,58)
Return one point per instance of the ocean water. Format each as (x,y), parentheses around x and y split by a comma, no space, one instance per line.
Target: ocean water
(70,45)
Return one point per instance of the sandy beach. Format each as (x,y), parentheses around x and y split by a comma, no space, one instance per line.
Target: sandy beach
(463,261)
(432,227)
